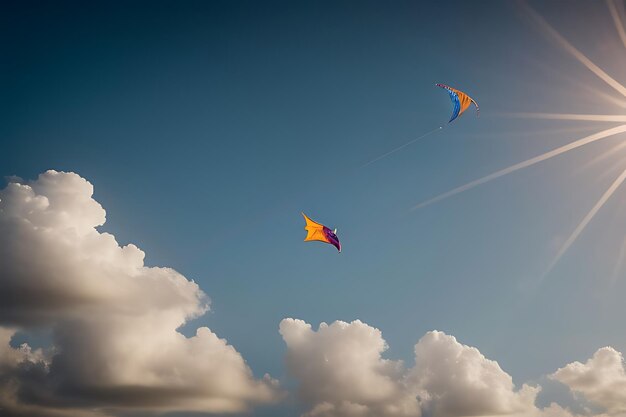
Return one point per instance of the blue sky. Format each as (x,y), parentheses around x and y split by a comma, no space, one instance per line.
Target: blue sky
(207,127)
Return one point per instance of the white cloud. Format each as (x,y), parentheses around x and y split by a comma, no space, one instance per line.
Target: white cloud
(459,380)
(113,319)
(601,380)
(342,373)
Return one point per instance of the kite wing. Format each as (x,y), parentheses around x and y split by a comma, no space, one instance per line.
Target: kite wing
(314,231)
(460,101)
(317,231)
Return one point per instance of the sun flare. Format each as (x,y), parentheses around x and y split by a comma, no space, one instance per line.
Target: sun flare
(617,11)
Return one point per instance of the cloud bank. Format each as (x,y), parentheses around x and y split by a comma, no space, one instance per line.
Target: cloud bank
(341,373)
(113,320)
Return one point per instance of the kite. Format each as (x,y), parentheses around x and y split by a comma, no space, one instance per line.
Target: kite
(460,101)
(316,231)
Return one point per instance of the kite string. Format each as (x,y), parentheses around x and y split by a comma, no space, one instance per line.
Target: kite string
(402,146)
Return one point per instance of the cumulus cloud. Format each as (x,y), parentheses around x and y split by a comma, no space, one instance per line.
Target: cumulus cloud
(459,380)
(113,319)
(601,380)
(341,373)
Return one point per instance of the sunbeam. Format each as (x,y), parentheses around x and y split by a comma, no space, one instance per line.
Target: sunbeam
(603,156)
(601,94)
(581,226)
(524,164)
(616,118)
(564,43)
(533,133)
(617,20)
(577,84)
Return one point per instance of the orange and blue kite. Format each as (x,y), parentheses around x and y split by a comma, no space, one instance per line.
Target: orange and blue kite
(460,101)
(316,231)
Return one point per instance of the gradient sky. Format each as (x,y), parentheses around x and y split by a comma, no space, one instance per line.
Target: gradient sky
(207,127)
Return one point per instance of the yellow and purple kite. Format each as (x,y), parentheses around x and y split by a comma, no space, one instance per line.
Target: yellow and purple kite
(316,231)
(460,101)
